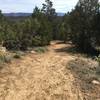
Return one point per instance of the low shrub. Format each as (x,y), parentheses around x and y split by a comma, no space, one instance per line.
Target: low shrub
(36,41)
(5,58)
(98,68)
(41,49)
(98,59)
(17,56)
(11,44)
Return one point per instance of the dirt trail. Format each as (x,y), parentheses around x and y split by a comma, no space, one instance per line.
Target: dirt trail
(39,77)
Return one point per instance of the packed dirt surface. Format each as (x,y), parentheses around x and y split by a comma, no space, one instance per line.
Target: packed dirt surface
(40,77)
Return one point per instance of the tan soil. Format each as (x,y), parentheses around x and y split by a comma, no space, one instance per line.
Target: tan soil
(39,77)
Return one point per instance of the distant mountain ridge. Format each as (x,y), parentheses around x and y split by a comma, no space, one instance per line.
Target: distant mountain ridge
(24,14)
(17,14)
(60,14)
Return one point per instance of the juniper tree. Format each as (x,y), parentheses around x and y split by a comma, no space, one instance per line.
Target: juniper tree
(81,22)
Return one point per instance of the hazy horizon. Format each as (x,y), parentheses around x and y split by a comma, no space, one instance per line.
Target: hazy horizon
(13,6)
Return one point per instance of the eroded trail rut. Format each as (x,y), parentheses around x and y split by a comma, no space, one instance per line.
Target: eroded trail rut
(39,77)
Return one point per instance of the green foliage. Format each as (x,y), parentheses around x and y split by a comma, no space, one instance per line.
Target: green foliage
(33,31)
(81,26)
(44,30)
(81,23)
(17,56)
(48,8)
(41,49)
(36,30)
(36,41)
(98,59)
(98,68)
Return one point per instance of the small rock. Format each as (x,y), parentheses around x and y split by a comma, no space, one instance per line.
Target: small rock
(95,82)
(3,49)
(33,52)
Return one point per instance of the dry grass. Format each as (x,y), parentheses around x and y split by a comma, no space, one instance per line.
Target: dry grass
(5,57)
(85,71)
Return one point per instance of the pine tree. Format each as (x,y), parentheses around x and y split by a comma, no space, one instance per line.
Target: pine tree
(81,22)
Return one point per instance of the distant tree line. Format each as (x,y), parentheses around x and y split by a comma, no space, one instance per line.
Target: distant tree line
(81,26)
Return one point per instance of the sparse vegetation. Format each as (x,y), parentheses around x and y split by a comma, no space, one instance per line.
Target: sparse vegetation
(98,68)
(98,59)
(17,56)
(5,58)
(41,49)
(85,71)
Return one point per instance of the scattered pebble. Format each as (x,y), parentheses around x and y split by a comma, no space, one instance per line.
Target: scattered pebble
(96,82)
(33,52)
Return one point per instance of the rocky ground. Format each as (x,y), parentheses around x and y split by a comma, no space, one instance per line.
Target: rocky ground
(44,76)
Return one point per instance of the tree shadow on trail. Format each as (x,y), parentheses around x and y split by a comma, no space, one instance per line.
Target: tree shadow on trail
(60,42)
(68,49)
(72,49)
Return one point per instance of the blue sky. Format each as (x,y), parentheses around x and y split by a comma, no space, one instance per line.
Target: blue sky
(28,5)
